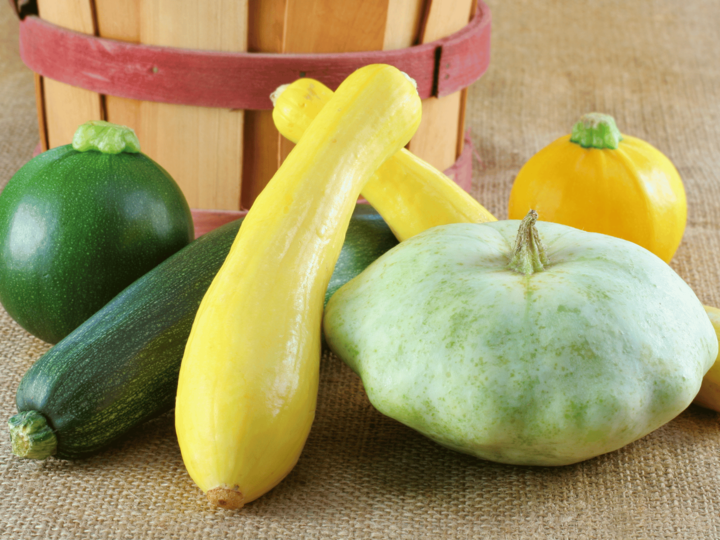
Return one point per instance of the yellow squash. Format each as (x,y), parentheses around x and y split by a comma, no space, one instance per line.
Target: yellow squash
(601,181)
(709,395)
(249,377)
(409,194)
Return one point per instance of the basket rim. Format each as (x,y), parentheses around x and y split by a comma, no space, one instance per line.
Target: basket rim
(239,80)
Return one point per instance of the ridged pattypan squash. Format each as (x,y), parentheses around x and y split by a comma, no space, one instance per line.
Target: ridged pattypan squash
(534,344)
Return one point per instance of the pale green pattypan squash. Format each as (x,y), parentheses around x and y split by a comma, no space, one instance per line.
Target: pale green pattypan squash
(524,348)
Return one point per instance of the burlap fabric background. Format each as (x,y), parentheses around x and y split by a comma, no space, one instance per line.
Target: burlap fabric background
(654,65)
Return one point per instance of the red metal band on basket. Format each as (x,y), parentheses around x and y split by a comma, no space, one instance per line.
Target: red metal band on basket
(239,80)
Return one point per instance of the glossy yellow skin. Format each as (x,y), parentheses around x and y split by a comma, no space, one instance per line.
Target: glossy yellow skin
(249,377)
(633,192)
(408,193)
(709,395)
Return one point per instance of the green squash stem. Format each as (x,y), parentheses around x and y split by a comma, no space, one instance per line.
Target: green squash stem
(528,254)
(106,138)
(596,130)
(31,436)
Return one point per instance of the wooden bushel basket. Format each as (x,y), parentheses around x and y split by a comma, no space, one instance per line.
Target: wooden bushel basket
(199,103)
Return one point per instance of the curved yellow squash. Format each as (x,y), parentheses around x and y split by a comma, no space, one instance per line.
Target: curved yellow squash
(409,194)
(709,395)
(248,382)
(601,181)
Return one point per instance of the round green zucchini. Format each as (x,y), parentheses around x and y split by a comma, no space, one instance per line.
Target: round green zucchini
(120,368)
(81,222)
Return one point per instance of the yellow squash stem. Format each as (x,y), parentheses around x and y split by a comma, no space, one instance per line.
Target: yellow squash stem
(249,377)
(409,194)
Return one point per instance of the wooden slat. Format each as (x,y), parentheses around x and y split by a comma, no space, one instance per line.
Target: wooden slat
(321,26)
(120,19)
(463,104)
(66,107)
(266,33)
(316,26)
(324,26)
(262,154)
(285,148)
(387,24)
(200,147)
(436,140)
(403,26)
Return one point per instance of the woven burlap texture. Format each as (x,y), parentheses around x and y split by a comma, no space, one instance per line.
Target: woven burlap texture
(651,64)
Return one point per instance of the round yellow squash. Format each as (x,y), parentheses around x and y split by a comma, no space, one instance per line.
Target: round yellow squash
(601,181)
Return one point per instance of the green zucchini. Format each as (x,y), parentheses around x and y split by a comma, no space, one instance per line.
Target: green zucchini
(81,222)
(120,368)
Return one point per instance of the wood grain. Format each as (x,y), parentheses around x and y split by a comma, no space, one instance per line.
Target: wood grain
(438,140)
(200,147)
(324,26)
(321,26)
(65,106)
(120,19)
(376,25)
(315,26)
(404,22)
(401,29)
(266,33)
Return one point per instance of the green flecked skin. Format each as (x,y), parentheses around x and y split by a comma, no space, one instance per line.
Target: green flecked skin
(120,368)
(598,348)
(76,228)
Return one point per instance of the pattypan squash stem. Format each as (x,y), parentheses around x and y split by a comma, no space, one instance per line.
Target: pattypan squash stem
(528,254)
(596,130)
(31,436)
(106,138)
